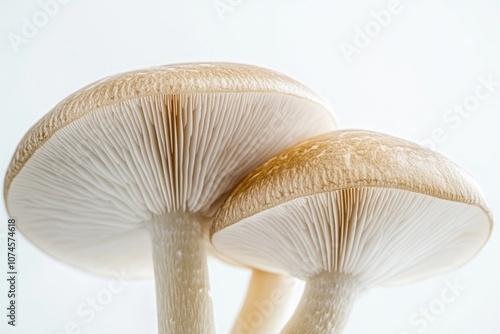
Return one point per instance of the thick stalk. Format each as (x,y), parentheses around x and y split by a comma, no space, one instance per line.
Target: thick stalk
(325,305)
(265,305)
(181,275)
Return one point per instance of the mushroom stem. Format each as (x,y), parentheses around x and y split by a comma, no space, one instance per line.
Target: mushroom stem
(181,275)
(325,305)
(265,304)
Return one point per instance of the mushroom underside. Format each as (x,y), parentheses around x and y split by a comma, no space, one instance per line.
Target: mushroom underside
(86,194)
(377,235)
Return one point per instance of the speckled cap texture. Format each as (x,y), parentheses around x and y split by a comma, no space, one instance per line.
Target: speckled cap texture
(348,159)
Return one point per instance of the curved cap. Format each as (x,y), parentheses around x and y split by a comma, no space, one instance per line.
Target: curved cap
(125,149)
(378,207)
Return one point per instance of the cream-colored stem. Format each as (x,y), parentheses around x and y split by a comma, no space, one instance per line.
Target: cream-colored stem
(325,305)
(265,304)
(181,276)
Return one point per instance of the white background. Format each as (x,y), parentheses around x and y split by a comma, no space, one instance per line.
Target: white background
(428,58)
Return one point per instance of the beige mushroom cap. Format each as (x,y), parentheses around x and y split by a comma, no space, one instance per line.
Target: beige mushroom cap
(332,201)
(172,139)
(163,80)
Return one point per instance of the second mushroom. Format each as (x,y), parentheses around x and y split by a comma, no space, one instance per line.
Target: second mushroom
(350,210)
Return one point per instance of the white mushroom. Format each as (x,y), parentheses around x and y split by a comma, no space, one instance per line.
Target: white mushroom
(128,171)
(349,210)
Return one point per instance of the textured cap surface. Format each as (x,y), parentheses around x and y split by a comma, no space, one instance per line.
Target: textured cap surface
(348,159)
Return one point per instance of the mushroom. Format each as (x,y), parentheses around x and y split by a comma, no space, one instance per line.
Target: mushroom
(125,174)
(349,210)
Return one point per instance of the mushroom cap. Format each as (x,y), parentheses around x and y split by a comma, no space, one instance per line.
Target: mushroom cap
(170,139)
(383,209)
